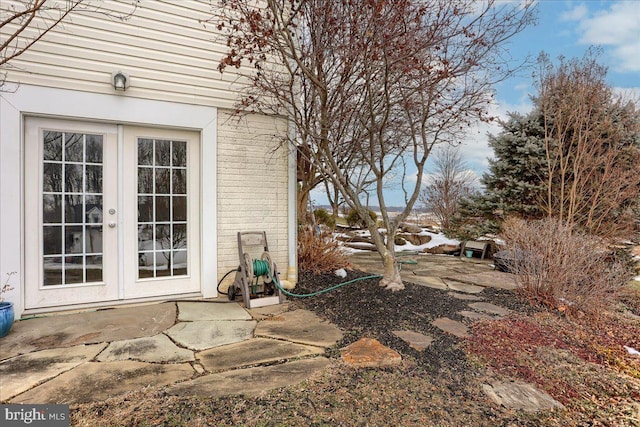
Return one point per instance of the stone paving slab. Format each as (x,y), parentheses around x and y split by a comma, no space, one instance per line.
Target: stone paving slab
(415,340)
(475,316)
(489,308)
(203,310)
(429,281)
(156,349)
(369,353)
(250,381)
(493,279)
(24,372)
(211,333)
(253,352)
(67,330)
(453,327)
(94,381)
(466,297)
(265,312)
(520,396)
(455,285)
(300,326)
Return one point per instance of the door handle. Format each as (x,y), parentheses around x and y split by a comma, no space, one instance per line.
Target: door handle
(112,225)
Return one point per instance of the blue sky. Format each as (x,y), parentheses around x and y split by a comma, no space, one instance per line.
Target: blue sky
(568,28)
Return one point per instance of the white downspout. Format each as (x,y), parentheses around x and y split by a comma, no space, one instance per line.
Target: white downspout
(292,272)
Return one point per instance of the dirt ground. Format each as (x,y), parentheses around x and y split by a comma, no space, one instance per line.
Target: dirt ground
(580,363)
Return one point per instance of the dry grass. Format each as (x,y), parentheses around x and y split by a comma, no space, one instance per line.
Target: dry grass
(562,268)
(319,253)
(580,363)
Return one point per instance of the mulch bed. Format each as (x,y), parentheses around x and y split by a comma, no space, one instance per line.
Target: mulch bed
(365,309)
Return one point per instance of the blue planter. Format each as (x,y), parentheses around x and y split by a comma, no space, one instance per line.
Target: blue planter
(6,318)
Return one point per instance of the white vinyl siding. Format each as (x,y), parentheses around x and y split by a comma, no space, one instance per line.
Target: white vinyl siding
(164,46)
(252,187)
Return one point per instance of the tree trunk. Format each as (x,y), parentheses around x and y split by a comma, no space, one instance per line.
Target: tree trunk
(303,203)
(391,279)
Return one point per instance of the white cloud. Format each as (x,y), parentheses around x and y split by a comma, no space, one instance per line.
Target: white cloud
(618,27)
(475,148)
(576,14)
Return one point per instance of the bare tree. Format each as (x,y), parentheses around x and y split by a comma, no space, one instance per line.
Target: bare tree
(592,146)
(451,182)
(369,86)
(25,22)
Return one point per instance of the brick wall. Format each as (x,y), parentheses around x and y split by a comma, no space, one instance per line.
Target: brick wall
(252,187)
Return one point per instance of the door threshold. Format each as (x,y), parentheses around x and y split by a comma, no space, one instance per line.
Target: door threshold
(106,305)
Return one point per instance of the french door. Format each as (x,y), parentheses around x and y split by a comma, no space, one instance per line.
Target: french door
(111,213)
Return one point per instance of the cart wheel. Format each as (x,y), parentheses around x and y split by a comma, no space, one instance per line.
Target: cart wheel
(231,293)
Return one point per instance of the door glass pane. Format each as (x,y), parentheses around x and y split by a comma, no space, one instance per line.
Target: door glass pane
(52,142)
(72,208)
(52,271)
(145,151)
(94,149)
(163,185)
(145,209)
(52,208)
(179,181)
(179,154)
(52,177)
(162,208)
(93,178)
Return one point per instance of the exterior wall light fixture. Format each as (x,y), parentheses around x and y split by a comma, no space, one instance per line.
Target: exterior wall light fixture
(120,80)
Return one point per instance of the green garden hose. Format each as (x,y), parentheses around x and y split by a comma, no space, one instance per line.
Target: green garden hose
(261,268)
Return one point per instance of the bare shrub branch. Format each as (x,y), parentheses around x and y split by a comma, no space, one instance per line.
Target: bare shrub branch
(562,268)
(319,253)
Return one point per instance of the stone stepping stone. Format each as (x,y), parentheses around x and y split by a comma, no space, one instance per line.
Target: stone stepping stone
(300,326)
(462,287)
(157,349)
(452,327)
(253,352)
(261,313)
(90,327)
(369,353)
(415,340)
(520,396)
(23,372)
(213,333)
(250,381)
(94,381)
(429,281)
(203,310)
(491,279)
(465,297)
(475,316)
(489,308)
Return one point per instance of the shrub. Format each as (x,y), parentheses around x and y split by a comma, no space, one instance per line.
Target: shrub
(319,252)
(325,218)
(562,268)
(354,220)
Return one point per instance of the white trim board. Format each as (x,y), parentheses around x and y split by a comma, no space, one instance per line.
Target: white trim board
(117,108)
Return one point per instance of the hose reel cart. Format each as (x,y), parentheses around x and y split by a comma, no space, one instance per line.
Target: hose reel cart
(255,274)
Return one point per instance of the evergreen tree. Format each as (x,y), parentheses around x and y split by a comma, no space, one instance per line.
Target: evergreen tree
(513,186)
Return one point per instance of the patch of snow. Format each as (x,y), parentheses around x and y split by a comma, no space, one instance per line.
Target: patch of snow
(632,351)
(437,239)
(341,273)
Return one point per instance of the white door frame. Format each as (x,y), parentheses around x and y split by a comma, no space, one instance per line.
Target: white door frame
(62,103)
